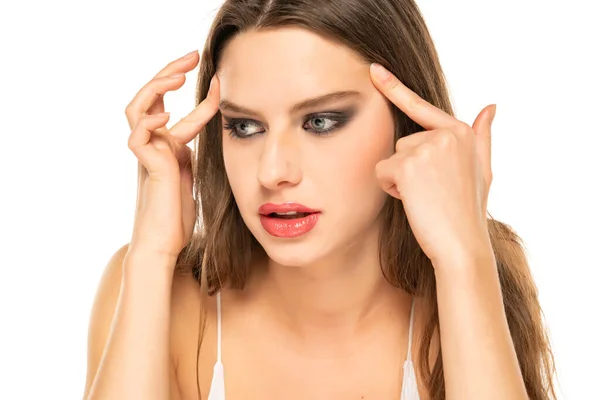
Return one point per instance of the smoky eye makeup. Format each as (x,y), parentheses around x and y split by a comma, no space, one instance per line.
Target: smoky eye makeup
(317,123)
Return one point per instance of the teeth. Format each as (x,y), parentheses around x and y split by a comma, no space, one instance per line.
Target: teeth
(288,213)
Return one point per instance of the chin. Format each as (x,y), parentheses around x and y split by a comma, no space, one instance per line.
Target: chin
(292,253)
(299,251)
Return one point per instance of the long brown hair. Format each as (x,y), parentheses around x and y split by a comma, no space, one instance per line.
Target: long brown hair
(392,33)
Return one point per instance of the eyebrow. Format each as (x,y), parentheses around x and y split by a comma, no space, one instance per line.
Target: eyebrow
(226,105)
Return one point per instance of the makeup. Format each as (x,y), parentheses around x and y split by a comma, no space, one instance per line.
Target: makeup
(288,220)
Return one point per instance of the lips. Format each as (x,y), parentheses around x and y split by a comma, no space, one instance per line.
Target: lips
(285,208)
(288,220)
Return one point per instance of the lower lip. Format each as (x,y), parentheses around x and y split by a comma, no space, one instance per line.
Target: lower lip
(288,228)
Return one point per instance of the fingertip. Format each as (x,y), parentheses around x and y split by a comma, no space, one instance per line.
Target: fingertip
(161,115)
(214,84)
(492,112)
(380,72)
(213,91)
(190,55)
(483,119)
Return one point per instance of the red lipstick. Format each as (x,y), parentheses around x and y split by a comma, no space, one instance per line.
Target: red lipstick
(287,220)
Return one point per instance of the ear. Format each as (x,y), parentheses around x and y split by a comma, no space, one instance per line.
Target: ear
(483,139)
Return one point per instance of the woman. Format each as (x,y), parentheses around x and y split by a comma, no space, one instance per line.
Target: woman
(344,247)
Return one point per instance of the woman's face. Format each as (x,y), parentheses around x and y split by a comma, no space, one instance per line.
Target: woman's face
(281,145)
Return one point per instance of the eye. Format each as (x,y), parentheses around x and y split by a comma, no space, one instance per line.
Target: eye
(242,128)
(318,124)
(322,124)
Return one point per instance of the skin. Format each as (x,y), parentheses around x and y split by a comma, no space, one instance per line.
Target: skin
(317,320)
(442,176)
(301,291)
(333,173)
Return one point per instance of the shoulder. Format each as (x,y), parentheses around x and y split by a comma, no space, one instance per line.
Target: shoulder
(193,333)
(191,314)
(102,313)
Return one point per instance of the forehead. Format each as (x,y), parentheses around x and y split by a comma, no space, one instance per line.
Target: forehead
(279,67)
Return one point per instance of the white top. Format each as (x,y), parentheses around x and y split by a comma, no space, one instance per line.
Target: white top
(409,380)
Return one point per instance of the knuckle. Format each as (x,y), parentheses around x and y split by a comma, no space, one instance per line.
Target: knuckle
(131,143)
(425,151)
(144,121)
(129,110)
(152,88)
(392,82)
(407,168)
(398,178)
(445,138)
(413,104)
(398,144)
(462,129)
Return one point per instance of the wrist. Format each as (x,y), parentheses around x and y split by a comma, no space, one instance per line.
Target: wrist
(475,255)
(154,266)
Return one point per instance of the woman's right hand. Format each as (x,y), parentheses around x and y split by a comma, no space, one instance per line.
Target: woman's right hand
(165,213)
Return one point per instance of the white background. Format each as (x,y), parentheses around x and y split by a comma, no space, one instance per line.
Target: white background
(68,69)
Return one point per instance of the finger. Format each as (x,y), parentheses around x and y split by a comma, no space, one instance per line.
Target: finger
(181,65)
(149,94)
(139,140)
(483,139)
(187,189)
(417,109)
(386,172)
(142,104)
(184,158)
(407,143)
(188,127)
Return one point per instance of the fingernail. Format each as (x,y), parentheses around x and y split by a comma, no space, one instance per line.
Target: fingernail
(379,71)
(191,54)
(177,75)
(212,80)
(492,112)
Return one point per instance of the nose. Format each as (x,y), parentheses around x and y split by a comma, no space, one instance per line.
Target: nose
(279,164)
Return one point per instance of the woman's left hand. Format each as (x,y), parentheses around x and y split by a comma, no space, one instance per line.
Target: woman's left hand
(441,175)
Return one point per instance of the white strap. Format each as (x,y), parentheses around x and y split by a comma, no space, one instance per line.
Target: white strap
(218,327)
(410,329)
(410,390)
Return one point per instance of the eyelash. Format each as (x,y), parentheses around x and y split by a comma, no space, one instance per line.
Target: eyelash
(340,121)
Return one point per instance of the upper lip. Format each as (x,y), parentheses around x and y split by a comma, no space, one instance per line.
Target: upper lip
(270,208)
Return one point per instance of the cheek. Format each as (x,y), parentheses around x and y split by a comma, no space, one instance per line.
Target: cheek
(236,167)
(368,141)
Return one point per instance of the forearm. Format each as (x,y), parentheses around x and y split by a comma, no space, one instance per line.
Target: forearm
(135,362)
(480,361)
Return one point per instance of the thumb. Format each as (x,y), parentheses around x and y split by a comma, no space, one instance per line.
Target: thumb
(483,138)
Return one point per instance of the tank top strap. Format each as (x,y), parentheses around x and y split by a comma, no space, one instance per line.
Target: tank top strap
(410,329)
(217,384)
(218,327)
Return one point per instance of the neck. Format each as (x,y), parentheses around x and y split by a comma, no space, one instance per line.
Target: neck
(342,296)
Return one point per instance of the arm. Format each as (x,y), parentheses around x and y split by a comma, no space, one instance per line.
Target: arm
(130,331)
(128,343)
(443,175)
(480,361)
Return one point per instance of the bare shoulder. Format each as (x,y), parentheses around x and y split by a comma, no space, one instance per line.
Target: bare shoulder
(193,335)
(101,316)
(187,315)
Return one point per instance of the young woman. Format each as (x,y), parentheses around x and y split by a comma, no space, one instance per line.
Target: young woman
(343,249)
